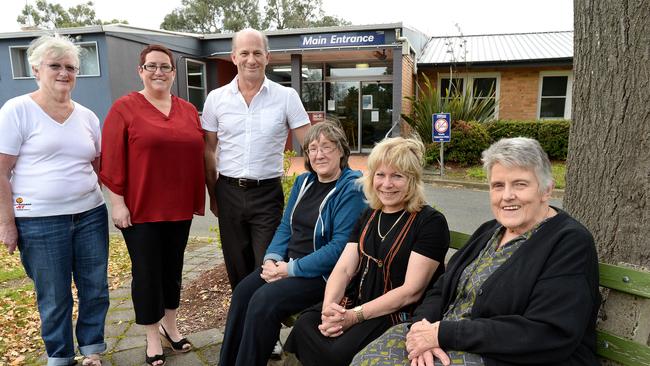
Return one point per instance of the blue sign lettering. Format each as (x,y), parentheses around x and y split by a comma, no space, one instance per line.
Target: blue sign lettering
(342,39)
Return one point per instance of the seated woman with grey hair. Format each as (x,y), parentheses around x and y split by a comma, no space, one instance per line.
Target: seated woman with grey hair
(523,290)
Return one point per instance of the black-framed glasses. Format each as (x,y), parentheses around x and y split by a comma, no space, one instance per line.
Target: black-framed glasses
(70,69)
(165,68)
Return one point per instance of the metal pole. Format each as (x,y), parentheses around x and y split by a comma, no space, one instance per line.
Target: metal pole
(442,160)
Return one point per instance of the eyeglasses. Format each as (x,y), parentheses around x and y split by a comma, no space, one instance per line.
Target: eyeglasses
(70,69)
(165,68)
(325,150)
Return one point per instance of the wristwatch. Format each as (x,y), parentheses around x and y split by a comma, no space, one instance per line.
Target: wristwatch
(358,311)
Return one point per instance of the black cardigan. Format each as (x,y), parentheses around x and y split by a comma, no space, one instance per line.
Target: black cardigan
(539,307)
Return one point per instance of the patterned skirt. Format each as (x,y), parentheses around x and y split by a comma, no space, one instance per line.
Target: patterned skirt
(390,350)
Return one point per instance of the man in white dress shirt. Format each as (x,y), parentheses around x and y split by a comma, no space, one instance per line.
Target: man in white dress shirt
(246,125)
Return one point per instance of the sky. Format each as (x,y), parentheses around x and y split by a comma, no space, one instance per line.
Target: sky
(433,17)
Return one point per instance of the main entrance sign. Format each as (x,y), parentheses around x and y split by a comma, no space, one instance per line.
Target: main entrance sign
(342,39)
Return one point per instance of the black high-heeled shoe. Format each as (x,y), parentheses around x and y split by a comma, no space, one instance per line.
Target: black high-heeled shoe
(155,358)
(179,346)
(151,359)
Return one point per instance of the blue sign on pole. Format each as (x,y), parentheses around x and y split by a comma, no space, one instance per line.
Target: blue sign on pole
(441,131)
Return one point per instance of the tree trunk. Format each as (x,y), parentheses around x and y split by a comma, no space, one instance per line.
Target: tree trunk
(608,174)
(608,166)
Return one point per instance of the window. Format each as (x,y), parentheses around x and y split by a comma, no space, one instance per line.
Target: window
(88,61)
(482,86)
(312,84)
(554,95)
(19,63)
(196,83)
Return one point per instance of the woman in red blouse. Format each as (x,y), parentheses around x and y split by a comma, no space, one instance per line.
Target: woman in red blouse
(152,164)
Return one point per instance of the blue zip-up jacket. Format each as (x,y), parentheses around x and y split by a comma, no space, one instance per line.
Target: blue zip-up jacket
(337,215)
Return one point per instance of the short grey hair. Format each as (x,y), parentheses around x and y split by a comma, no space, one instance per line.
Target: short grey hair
(520,152)
(265,39)
(53,45)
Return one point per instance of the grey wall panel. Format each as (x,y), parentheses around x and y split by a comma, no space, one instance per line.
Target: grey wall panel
(123,62)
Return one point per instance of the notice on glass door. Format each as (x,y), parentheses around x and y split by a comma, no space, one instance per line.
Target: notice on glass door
(366,101)
(331,105)
(374,116)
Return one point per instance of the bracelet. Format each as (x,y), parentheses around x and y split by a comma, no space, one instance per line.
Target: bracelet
(358,311)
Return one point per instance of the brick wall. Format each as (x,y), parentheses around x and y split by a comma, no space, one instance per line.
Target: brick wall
(519,88)
(408,86)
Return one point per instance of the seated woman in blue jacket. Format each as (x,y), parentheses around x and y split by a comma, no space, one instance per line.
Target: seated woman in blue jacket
(323,207)
(522,291)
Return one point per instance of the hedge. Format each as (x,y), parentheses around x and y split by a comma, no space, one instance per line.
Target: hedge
(469,139)
(552,135)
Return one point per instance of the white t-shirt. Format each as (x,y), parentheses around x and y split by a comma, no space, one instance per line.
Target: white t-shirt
(53,174)
(252,138)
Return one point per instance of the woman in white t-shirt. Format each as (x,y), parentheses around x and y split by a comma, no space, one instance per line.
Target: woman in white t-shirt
(51,205)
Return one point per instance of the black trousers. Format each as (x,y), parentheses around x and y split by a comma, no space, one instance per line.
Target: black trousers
(248,218)
(256,312)
(156,250)
(314,349)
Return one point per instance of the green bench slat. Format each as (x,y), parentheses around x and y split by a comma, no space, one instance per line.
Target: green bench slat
(625,280)
(457,240)
(622,350)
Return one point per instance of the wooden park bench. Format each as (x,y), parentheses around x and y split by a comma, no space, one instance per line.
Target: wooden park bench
(616,278)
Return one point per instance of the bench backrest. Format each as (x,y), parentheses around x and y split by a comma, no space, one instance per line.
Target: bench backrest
(622,279)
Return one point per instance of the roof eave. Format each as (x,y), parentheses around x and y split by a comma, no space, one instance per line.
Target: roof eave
(561,61)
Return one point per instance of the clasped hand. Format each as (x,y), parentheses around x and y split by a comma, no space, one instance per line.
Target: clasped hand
(273,271)
(335,319)
(422,344)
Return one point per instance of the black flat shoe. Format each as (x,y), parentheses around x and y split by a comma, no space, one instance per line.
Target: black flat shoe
(179,346)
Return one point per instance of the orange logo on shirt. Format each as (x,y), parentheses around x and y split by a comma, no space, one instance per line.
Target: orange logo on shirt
(19,200)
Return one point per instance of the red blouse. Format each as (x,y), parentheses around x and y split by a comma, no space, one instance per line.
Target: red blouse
(154,161)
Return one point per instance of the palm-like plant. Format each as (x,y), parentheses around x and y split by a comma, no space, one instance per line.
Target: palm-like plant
(462,106)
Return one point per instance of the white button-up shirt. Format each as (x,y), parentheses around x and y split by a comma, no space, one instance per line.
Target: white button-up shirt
(251,138)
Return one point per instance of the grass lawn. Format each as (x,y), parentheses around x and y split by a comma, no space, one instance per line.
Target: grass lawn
(476,173)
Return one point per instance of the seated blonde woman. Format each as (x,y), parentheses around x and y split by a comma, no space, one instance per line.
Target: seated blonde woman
(395,250)
(522,291)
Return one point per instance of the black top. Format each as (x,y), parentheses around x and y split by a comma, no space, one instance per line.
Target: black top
(304,219)
(428,236)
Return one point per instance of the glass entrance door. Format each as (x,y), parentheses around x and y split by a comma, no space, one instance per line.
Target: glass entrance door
(342,102)
(376,112)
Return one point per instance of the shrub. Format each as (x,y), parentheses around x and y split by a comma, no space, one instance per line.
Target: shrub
(552,135)
(468,140)
(461,105)
(554,138)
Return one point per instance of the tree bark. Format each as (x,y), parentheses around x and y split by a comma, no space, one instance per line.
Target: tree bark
(608,166)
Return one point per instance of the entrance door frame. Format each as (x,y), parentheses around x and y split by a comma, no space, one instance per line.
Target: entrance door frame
(386,79)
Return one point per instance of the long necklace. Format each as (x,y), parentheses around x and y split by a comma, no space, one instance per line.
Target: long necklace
(382,237)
